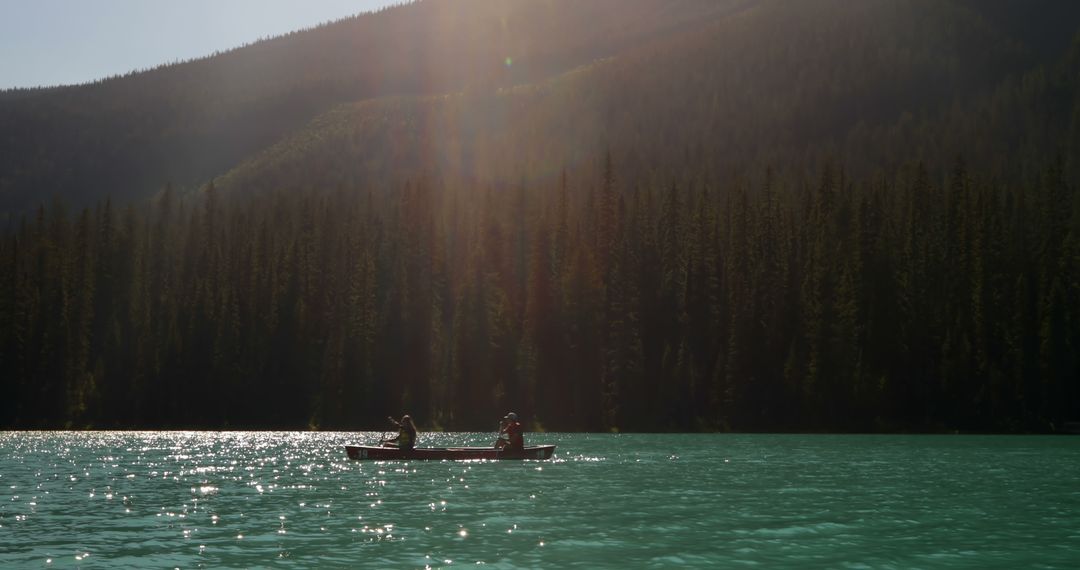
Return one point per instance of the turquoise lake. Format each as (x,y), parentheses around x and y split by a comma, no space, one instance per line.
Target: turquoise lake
(293,499)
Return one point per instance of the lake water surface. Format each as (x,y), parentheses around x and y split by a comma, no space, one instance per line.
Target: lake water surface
(289,499)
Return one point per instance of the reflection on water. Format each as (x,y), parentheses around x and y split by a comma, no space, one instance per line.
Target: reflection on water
(208,499)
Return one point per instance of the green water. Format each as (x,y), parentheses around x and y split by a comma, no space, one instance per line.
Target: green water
(214,500)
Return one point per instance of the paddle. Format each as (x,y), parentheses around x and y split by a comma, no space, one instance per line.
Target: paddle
(498,437)
(383,439)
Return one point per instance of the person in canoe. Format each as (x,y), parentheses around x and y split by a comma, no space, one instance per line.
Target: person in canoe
(406,437)
(514,440)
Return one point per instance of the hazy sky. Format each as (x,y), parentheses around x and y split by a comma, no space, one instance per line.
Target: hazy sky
(54,42)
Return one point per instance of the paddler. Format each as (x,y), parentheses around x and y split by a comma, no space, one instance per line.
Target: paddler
(514,440)
(406,437)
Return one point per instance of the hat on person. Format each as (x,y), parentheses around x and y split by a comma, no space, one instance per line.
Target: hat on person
(511,416)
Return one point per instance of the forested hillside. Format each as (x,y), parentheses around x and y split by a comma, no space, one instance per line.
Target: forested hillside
(127,137)
(761,215)
(881,84)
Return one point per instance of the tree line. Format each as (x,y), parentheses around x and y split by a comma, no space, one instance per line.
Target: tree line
(781,300)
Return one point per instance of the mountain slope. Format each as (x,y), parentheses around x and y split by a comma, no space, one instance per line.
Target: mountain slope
(877,84)
(718,83)
(126,137)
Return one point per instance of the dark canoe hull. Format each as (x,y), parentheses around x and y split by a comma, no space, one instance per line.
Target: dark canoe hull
(452,453)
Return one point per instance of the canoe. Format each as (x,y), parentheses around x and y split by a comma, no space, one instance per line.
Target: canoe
(453,453)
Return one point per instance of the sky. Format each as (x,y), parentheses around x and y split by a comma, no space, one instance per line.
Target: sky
(63,42)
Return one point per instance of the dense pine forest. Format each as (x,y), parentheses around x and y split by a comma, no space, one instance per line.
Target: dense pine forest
(905,301)
(687,215)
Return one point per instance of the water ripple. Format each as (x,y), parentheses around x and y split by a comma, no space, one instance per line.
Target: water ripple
(244,499)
